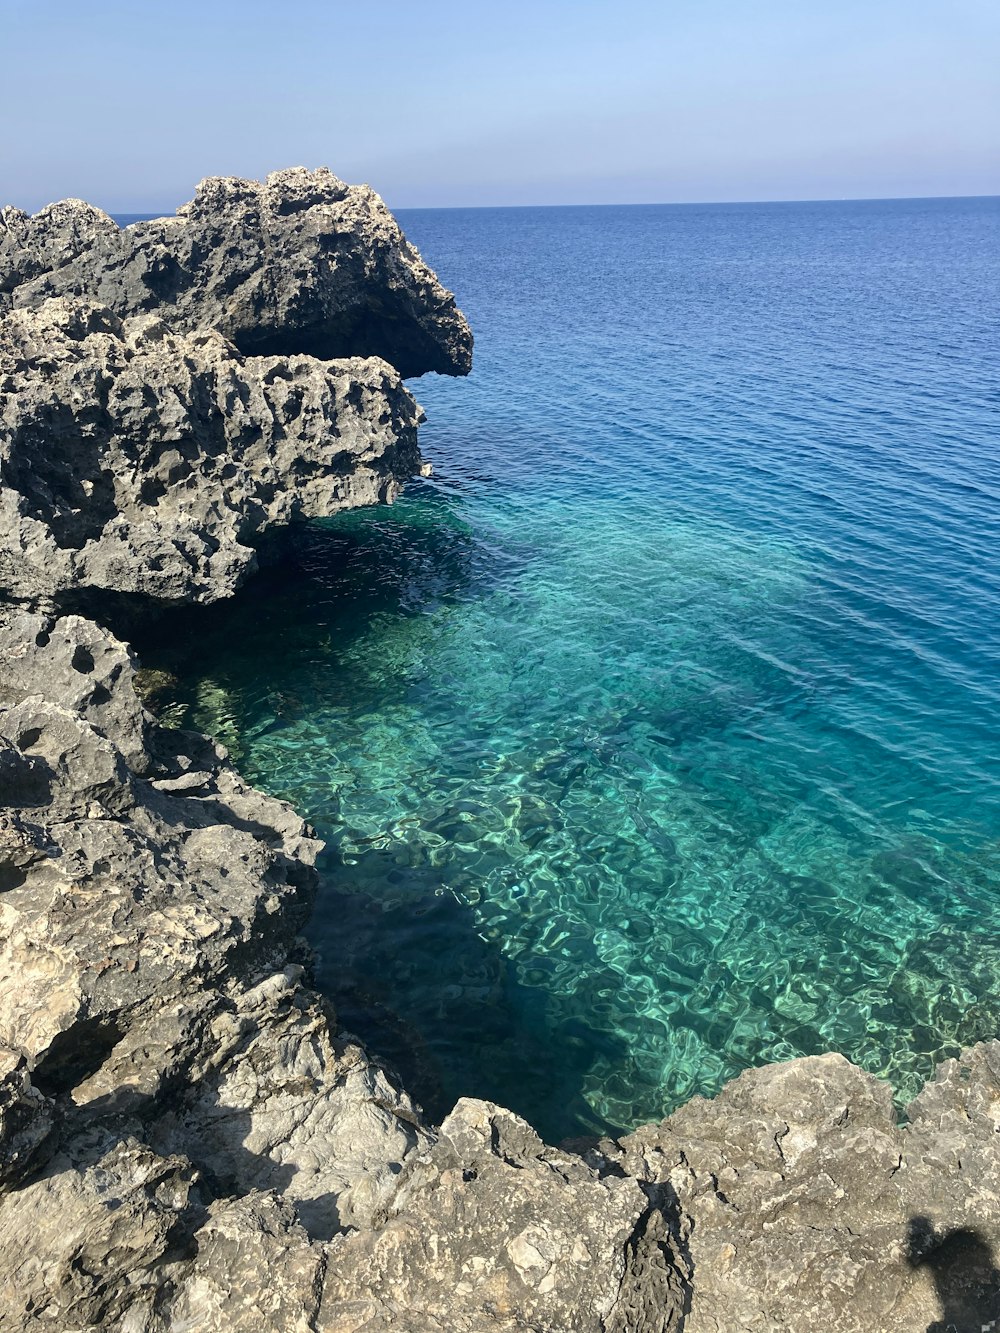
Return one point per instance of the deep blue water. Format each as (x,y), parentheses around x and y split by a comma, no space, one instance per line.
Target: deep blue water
(657,735)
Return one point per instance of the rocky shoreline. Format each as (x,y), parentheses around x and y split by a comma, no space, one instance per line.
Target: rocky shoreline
(187,1139)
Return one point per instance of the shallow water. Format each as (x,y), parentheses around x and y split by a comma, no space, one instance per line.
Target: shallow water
(657,735)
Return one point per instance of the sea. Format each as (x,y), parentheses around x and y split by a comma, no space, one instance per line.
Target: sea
(657,734)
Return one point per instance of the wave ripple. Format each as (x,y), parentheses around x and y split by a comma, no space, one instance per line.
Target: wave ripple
(657,735)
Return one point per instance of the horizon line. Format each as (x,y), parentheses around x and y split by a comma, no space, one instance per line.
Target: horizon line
(663,203)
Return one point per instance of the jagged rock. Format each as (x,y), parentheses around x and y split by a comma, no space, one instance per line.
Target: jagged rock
(144,941)
(298,263)
(139,461)
(78,666)
(254,1269)
(139,893)
(79,1247)
(317,1118)
(118,1238)
(806,1204)
(492,1230)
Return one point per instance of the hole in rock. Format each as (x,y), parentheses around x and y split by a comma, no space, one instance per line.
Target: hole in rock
(29,738)
(83,660)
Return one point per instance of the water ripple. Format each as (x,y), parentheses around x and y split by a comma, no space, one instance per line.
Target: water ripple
(657,735)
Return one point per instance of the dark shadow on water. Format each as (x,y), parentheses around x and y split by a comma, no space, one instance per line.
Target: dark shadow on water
(330,578)
(408,972)
(965,1275)
(402,959)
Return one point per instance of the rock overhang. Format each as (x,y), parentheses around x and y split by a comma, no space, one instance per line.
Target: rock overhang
(171,390)
(297,263)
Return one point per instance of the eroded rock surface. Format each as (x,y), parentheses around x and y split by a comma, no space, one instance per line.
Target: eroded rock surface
(806,1205)
(300,263)
(136,460)
(490,1229)
(149,1011)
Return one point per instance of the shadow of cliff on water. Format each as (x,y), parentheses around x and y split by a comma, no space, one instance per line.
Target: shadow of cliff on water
(410,972)
(405,961)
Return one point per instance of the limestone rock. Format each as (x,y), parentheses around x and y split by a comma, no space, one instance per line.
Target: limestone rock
(145,929)
(79,1246)
(135,460)
(254,1269)
(491,1230)
(806,1204)
(295,1108)
(79,666)
(298,263)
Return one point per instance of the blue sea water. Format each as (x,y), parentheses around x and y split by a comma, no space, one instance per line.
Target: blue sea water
(656,736)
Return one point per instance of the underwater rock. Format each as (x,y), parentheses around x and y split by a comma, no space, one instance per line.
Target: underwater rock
(136,460)
(298,263)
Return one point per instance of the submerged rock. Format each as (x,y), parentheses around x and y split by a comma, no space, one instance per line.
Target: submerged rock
(299,263)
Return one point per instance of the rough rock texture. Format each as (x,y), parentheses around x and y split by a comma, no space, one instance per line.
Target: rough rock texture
(140,461)
(188,1142)
(489,1229)
(300,263)
(148,1008)
(805,1205)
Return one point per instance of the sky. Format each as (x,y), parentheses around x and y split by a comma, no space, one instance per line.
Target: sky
(128,103)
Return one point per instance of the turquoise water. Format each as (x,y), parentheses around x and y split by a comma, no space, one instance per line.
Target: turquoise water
(656,736)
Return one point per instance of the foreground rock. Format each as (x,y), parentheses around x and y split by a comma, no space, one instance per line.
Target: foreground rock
(300,263)
(139,461)
(161,1051)
(805,1205)
(188,1142)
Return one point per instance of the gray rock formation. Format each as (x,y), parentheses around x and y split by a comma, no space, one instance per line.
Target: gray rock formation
(148,1008)
(300,263)
(489,1229)
(188,1141)
(141,461)
(805,1205)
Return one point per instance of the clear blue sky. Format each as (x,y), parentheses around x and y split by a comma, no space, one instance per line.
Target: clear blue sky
(129,102)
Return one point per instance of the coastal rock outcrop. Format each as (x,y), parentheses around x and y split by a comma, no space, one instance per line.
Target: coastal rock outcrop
(298,263)
(806,1204)
(188,1140)
(137,460)
(156,1032)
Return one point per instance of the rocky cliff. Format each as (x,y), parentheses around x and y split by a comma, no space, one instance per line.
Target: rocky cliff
(300,263)
(141,461)
(188,1141)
